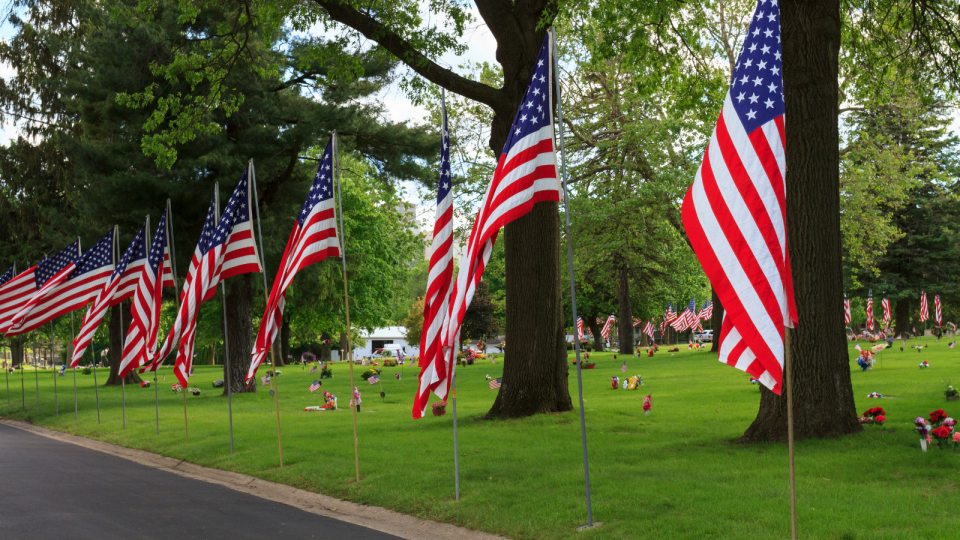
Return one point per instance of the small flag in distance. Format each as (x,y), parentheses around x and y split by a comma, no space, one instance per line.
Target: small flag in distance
(397,375)
(623,368)
(315,386)
(265,380)
(953,344)
(313,369)
(495,383)
(374,380)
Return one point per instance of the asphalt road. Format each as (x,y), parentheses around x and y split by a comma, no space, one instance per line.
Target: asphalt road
(55,490)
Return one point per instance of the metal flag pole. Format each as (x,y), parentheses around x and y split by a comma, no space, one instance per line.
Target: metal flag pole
(96,389)
(266,292)
(176,302)
(573,293)
(36,370)
(23,358)
(226,341)
(788,367)
(56,397)
(123,380)
(6,370)
(73,336)
(346,298)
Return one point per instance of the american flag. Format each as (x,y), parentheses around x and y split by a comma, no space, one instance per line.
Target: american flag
(668,316)
(580,328)
(495,383)
(938,310)
(15,293)
(265,380)
(623,368)
(608,327)
(128,281)
(525,175)
(8,275)
(847,317)
(636,322)
(315,386)
(374,380)
(686,319)
(67,287)
(105,298)
(223,251)
(141,337)
(953,344)
(313,369)
(870,311)
(885,304)
(439,280)
(313,239)
(648,329)
(924,312)
(735,211)
(46,275)
(706,312)
(397,375)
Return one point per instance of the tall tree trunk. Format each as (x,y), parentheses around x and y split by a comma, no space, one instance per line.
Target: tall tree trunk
(325,347)
(625,313)
(285,341)
(535,370)
(16,350)
(822,391)
(117,335)
(901,315)
(716,322)
(239,333)
(594,327)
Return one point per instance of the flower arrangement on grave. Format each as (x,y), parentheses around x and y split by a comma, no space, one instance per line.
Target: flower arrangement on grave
(370,373)
(194,390)
(615,382)
(866,360)
(144,384)
(389,362)
(952,393)
(176,388)
(924,364)
(440,408)
(754,380)
(673,349)
(647,405)
(875,415)
(633,383)
(326,372)
(218,383)
(329,402)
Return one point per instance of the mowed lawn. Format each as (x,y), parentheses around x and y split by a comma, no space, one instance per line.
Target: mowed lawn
(676,474)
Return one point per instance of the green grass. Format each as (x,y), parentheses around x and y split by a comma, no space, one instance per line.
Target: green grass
(675,474)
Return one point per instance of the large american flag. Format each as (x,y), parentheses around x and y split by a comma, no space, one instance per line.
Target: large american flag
(735,211)
(649,329)
(636,322)
(580,328)
(44,276)
(439,281)
(706,312)
(526,174)
(66,287)
(870,310)
(8,275)
(313,239)
(939,311)
(15,293)
(131,275)
(141,338)
(885,304)
(91,320)
(847,316)
(688,318)
(608,327)
(924,312)
(668,316)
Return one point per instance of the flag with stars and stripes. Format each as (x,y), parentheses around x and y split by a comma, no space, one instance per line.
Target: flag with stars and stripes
(924,311)
(94,315)
(649,329)
(313,239)
(887,314)
(226,248)
(526,174)
(8,275)
(15,293)
(315,386)
(623,368)
(579,328)
(668,316)
(374,380)
(688,318)
(495,383)
(735,211)
(847,315)
(138,257)
(636,322)
(141,337)
(66,287)
(870,310)
(439,280)
(706,312)
(938,312)
(608,327)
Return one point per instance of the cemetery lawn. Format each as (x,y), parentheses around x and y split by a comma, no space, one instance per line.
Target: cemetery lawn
(678,473)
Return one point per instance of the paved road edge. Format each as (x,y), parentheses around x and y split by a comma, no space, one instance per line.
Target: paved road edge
(372,517)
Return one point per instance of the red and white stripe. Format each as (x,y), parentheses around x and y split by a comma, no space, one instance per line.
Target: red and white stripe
(608,327)
(847,316)
(887,314)
(579,327)
(939,311)
(870,313)
(15,294)
(141,338)
(924,312)
(131,276)
(649,329)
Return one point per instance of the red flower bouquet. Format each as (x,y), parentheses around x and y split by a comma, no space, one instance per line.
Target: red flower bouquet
(875,415)
(937,416)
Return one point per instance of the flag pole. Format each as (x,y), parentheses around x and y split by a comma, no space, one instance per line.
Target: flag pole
(123,379)
(266,297)
(453,379)
(226,341)
(554,64)
(788,364)
(176,303)
(76,414)
(96,389)
(6,368)
(36,370)
(346,298)
(56,396)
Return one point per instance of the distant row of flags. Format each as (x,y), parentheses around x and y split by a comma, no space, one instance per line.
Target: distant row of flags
(689,318)
(71,278)
(888,312)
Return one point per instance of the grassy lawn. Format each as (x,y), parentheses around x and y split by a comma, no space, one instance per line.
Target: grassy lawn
(675,474)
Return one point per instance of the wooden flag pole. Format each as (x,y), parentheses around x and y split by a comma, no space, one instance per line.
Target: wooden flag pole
(266,297)
(788,365)
(346,299)
(73,336)
(573,292)
(56,396)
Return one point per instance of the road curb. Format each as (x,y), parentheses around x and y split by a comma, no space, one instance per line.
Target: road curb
(371,517)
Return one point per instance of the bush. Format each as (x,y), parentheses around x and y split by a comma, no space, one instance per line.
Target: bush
(87,371)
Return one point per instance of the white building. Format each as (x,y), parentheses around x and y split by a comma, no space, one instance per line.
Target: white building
(389,337)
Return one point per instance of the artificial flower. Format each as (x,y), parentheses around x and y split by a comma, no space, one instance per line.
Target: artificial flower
(880,419)
(941,432)
(937,416)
